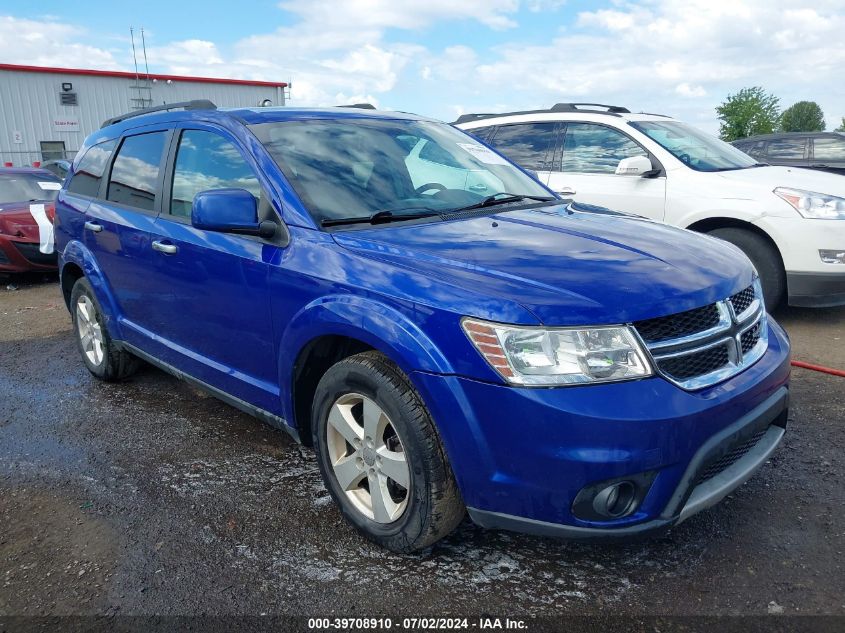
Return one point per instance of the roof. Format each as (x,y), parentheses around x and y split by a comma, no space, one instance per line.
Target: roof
(764,137)
(129,75)
(249,116)
(562,111)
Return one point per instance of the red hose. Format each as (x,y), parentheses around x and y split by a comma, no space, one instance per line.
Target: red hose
(822,369)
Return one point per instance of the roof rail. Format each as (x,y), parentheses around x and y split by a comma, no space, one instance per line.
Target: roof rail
(472,117)
(579,107)
(197,104)
(361,106)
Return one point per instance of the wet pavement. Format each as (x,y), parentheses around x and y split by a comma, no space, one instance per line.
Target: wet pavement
(149,497)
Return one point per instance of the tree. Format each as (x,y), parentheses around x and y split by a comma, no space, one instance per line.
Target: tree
(804,116)
(749,112)
(841,128)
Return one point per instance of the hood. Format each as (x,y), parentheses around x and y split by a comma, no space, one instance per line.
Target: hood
(16,221)
(566,267)
(795,177)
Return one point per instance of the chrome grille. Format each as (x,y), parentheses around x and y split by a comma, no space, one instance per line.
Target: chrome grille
(701,347)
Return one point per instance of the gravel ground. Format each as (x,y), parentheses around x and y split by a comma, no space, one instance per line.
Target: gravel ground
(148,497)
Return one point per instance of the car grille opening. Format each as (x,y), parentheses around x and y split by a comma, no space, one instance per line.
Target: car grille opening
(750,338)
(696,364)
(719,464)
(701,347)
(742,300)
(678,325)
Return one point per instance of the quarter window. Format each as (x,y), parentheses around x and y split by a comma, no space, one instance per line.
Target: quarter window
(134,175)
(89,173)
(596,149)
(526,144)
(205,161)
(829,148)
(787,148)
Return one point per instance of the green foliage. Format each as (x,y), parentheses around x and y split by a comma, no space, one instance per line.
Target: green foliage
(749,112)
(804,116)
(841,128)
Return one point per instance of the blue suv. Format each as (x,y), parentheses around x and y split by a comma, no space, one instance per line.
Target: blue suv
(447,334)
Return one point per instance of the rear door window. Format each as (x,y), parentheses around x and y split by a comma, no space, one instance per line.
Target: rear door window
(596,149)
(135,174)
(205,160)
(787,148)
(89,173)
(829,148)
(529,145)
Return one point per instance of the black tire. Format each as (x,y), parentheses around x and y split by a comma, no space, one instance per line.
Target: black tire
(434,505)
(116,363)
(765,258)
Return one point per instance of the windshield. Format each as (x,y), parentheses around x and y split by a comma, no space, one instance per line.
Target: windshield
(349,168)
(695,149)
(28,187)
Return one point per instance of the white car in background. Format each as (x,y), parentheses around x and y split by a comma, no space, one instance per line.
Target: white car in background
(789,221)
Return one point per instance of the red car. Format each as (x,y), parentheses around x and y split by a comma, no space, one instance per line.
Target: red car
(27,210)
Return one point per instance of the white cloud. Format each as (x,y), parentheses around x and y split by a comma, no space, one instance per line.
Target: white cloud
(686,90)
(681,57)
(49,43)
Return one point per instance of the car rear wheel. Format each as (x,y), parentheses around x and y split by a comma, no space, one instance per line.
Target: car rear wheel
(103,358)
(381,457)
(765,258)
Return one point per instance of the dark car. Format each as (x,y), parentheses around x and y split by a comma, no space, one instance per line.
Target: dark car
(816,150)
(27,210)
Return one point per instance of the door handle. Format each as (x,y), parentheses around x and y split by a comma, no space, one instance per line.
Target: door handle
(94,227)
(167,249)
(566,191)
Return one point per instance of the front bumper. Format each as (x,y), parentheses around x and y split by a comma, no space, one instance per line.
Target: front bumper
(521,456)
(22,256)
(816,290)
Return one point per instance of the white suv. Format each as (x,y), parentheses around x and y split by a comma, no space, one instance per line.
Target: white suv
(789,221)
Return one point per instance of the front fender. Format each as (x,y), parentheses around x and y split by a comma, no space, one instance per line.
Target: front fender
(377,324)
(75,252)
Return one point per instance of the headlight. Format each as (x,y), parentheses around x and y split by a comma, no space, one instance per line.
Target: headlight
(545,357)
(817,206)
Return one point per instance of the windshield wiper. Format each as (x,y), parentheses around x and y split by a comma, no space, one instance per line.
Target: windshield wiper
(381,217)
(490,201)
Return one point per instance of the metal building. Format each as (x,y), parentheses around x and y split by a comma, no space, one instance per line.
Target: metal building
(46,113)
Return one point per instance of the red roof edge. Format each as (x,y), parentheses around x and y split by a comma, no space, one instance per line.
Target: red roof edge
(125,75)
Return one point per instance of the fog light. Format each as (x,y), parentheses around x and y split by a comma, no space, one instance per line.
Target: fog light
(613,498)
(833,257)
(615,501)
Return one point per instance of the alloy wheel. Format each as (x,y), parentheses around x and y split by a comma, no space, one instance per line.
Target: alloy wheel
(89,330)
(368,458)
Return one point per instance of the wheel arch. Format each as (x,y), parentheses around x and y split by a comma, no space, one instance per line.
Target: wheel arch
(76,262)
(327,331)
(710,224)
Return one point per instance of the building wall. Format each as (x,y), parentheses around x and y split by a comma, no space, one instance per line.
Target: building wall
(30,110)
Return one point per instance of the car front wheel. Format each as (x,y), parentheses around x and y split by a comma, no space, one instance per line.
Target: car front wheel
(381,457)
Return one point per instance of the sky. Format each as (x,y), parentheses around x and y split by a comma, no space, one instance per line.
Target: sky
(442,58)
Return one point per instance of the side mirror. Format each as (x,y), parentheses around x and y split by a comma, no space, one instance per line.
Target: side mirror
(635,166)
(229,211)
(533,174)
